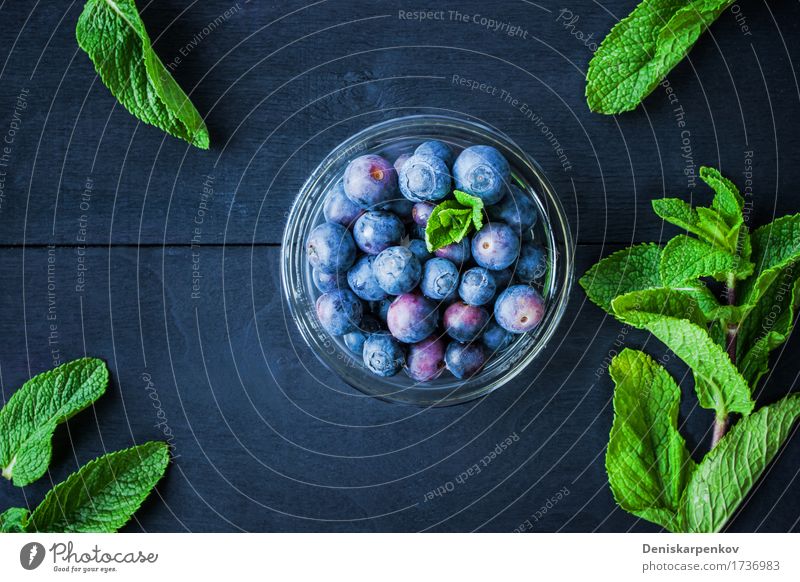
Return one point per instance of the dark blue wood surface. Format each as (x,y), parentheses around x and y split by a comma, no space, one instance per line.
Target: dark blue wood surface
(264,439)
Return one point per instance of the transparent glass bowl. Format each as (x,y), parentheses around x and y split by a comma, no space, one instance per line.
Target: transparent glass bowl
(390,139)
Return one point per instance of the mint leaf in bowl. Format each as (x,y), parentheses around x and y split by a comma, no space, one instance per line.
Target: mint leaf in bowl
(452,220)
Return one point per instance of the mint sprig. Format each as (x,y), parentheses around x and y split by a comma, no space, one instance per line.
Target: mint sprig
(453,219)
(113,35)
(643,47)
(725,340)
(102,495)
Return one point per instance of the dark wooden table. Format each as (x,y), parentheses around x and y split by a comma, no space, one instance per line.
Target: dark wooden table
(99,240)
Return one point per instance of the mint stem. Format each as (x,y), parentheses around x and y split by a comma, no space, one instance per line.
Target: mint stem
(721,423)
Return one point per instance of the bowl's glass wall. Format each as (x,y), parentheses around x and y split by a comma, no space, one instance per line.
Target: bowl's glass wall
(390,139)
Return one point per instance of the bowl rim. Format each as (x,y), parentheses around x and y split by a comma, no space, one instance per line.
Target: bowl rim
(556,218)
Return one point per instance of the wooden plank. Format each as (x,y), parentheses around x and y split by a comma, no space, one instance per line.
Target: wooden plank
(272,119)
(266,440)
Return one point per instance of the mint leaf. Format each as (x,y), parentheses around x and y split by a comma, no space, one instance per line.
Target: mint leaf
(473,202)
(727,473)
(642,48)
(30,417)
(448,223)
(685,259)
(775,246)
(641,307)
(451,220)
(679,213)
(721,226)
(647,461)
(767,325)
(717,231)
(14,520)
(728,202)
(113,35)
(103,494)
(719,385)
(631,269)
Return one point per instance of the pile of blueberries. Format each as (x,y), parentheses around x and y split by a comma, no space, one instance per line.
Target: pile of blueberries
(402,308)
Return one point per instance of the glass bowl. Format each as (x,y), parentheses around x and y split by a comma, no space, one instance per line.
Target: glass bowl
(390,139)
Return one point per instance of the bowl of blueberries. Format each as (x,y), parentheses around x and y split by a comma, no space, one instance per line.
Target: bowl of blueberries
(384,303)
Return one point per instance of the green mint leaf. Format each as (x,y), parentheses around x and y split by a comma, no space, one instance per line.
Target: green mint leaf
(14,520)
(29,419)
(641,307)
(451,220)
(686,259)
(642,48)
(775,246)
(722,225)
(448,223)
(679,213)
(103,494)
(113,35)
(472,202)
(716,230)
(767,325)
(726,474)
(728,202)
(631,269)
(719,385)
(647,461)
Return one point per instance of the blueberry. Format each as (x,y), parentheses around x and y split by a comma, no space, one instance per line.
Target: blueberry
(483,172)
(532,263)
(456,252)
(465,322)
(362,280)
(381,308)
(339,312)
(329,281)
(420,250)
(439,279)
(401,159)
(355,339)
(519,308)
(436,148)
(397,270)
(495,246)
(370,180)
(377,230)
(464,360)
(412,318)
(424,178)
(421,212)
(339,208)
(330,248)
(425,361)
(516,209)
(383,355)
(477,286)
(495,338)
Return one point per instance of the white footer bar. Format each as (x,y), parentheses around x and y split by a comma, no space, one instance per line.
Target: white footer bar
(401,557)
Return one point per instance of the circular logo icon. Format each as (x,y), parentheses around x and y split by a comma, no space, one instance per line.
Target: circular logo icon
(31,555)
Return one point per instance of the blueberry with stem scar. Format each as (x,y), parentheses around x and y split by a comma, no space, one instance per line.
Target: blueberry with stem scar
(519,309)
(370,180)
